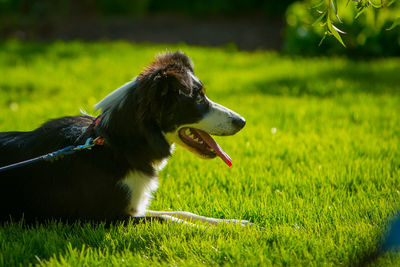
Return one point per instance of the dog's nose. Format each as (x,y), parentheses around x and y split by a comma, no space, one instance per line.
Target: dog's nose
(238,122)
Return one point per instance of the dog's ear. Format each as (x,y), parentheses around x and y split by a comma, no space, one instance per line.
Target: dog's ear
(162,83)
(170,81)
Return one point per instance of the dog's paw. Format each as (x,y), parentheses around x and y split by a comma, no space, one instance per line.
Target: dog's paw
(243,223)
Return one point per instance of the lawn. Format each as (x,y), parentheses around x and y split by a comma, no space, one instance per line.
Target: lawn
(316,169)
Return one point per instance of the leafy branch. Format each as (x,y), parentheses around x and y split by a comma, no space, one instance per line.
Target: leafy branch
(328,11)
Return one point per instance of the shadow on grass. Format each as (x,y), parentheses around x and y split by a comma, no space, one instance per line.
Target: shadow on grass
(353,78)
(17,51)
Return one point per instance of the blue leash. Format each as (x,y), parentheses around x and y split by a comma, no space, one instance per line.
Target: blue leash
(90,142)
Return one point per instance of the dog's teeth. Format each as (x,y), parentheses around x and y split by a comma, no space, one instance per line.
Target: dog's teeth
(192,136)
(196,139)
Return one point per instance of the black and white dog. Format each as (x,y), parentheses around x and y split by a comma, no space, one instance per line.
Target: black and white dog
(139,122)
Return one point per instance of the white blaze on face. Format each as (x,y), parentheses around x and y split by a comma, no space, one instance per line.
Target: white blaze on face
(194,77)
(218,121)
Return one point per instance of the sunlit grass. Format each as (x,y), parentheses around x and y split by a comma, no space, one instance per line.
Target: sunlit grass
(317,165)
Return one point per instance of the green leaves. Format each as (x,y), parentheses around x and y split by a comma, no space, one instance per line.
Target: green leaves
(334,8)
(319,19)
(328,9)
(361,7)
(335,32)
(396,22)
(324,20)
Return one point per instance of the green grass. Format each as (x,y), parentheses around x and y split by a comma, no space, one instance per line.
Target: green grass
(317,165)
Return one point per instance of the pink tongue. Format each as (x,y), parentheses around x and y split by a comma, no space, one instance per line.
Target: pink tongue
(218,150)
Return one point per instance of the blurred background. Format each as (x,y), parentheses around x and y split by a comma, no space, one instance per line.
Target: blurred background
(247,25)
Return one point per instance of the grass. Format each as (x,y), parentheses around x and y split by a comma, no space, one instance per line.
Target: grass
(317,165)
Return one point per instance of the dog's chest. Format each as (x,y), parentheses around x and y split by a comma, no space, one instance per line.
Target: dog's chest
(139,188)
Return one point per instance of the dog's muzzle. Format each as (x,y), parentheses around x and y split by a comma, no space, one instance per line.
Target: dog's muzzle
(219,121)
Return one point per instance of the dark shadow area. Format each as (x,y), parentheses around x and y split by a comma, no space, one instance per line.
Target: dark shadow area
(331,82)
(251,24)
(28,51)
(23,52)
(247,33)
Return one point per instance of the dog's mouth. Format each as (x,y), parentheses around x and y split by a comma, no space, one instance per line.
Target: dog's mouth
(203,144)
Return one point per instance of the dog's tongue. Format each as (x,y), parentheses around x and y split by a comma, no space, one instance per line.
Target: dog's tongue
(218,150)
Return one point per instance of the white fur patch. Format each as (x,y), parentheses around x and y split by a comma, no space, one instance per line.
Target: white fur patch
(140,188)
(158,166)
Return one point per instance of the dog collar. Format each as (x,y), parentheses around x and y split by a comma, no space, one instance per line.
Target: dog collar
(100,139)
(97,121)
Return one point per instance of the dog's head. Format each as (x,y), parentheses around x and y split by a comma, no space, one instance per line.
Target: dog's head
(187,116)
(168,93)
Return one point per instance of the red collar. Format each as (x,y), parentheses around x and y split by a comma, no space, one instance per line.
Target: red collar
(97,121)
(99,140)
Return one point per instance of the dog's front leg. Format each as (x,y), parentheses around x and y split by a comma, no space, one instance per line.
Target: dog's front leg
(148,218)
(191,217)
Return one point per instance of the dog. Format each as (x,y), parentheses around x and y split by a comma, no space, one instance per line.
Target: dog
(140,122)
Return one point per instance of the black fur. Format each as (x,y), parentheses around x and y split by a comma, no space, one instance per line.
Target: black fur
(84,185)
